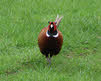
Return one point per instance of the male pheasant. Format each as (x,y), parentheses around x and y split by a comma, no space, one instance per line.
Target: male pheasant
(50,39)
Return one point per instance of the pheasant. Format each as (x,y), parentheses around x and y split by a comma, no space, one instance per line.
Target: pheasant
(50,39)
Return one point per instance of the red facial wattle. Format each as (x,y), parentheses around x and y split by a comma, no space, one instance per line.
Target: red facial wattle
(55,27)
(49,27)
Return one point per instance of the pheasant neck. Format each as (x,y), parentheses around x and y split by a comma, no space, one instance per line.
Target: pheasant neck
(52,34)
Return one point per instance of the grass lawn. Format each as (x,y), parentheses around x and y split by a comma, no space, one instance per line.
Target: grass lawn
(22,20)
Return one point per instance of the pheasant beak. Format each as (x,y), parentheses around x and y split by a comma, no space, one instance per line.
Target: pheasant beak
(51,26)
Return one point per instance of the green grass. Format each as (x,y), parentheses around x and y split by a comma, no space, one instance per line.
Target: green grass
(22,20)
